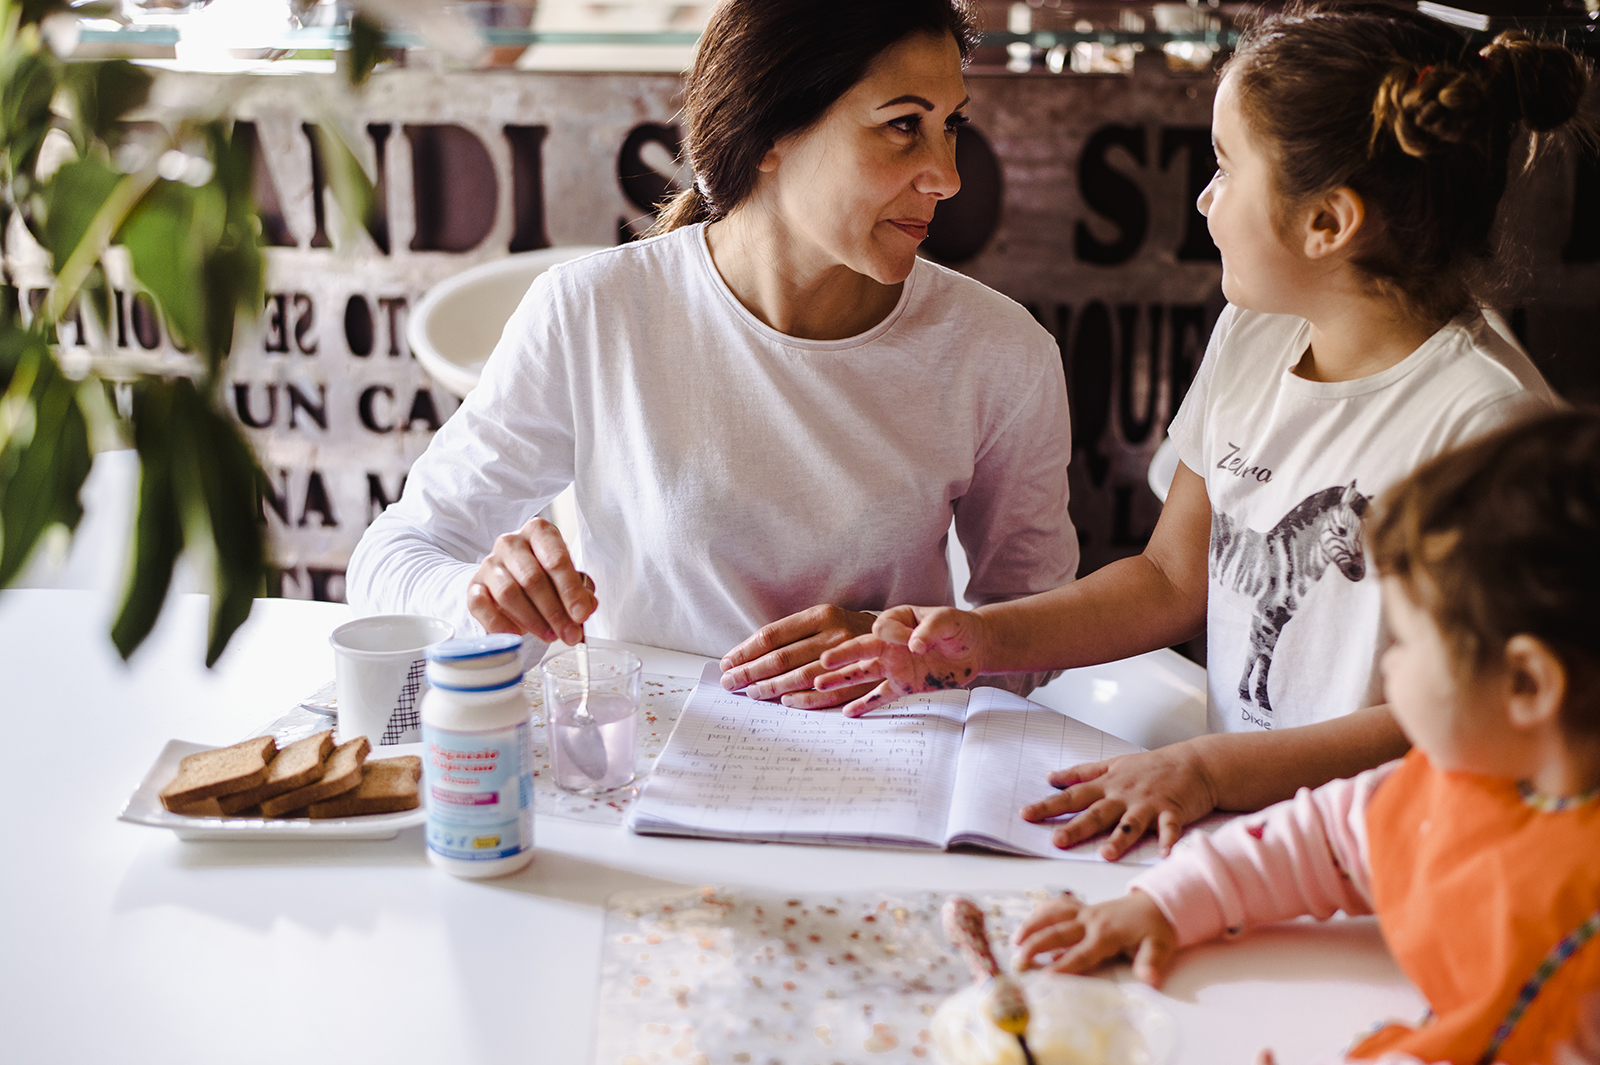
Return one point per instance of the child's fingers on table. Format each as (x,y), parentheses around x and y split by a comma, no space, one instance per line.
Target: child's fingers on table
(1077,774)
(1089,824)
(883,693)
(895,625)
(1052,939)
(1130,829)
(863,672)
(1169,829)
(857,649)
(1094,949)
(935,626)
(1045,914)
(1069,800)
(1153,960)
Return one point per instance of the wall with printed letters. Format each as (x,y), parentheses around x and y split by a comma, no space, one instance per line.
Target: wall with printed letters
(1078,202)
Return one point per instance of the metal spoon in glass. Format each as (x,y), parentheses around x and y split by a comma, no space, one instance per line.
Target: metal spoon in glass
(580,737)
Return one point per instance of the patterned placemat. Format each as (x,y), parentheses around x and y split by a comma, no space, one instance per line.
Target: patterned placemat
(728,976)
(661,703)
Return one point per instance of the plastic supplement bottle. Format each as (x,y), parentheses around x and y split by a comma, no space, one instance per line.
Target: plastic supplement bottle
(478,757)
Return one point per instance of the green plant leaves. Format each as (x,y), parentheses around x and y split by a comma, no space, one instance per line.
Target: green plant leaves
(194,246)
(196,491)
(44,448)
(347,180)
(167,235)
(35,11)
(73,197)
(102,94)
(196,250)
(228,476)
(157,528)
(366,47)
(27,85)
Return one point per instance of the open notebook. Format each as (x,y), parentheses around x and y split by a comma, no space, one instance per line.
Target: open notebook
(933,771)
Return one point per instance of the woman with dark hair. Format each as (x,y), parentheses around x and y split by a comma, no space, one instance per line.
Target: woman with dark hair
(771,402)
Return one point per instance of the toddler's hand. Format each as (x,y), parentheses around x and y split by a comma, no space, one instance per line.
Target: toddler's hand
(911,649)
(1130,795)
(1074,938)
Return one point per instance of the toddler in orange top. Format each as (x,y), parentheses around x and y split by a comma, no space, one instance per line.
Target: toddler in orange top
(1479,851)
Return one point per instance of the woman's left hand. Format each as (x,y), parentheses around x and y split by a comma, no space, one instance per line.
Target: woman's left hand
(783,659)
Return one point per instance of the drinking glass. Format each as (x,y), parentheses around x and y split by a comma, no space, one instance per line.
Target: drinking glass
(592,745)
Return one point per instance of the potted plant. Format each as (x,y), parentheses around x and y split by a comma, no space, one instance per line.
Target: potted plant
(169,206)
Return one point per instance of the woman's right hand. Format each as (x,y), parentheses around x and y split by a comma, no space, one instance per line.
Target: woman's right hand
(911,649)
(527,584)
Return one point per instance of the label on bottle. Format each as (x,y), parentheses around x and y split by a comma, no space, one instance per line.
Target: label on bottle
(480,791)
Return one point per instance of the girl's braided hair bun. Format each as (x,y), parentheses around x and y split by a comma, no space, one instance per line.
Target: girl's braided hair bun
(1443,107)
(1422,125)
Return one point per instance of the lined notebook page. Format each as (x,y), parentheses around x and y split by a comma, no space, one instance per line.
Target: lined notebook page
(1011,746)
(738,768)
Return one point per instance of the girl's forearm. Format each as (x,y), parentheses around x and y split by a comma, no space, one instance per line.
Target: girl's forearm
(1126,608)
(1252,770)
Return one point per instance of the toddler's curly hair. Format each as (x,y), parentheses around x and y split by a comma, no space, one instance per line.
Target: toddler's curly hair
(1501,537)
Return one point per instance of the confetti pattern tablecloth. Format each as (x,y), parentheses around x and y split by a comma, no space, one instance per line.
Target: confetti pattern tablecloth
(724,976)
(661,703)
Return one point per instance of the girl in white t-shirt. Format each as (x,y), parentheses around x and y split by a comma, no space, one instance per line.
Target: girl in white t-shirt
(1362,153)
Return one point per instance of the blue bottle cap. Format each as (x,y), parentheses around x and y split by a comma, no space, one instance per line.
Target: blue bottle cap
(471,647)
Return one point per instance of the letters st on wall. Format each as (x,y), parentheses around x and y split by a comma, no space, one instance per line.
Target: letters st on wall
(1077,202)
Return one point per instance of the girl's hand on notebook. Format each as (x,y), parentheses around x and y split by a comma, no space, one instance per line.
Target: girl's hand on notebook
(781,660)
(1160,790)
(911,649)
(1067,936)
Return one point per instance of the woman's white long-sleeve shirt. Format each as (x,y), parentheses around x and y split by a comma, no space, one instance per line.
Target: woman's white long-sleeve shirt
(728,475)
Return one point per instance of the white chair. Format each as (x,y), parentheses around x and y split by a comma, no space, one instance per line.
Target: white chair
(457,323)
(455,326)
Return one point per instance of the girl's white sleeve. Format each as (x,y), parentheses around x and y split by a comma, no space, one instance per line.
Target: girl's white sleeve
(1307,855)
(1188,428)
(500,459)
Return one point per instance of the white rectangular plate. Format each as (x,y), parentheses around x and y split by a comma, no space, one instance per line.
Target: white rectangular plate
(144,808)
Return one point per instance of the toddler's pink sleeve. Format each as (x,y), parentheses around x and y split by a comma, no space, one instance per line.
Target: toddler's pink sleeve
(1304,856)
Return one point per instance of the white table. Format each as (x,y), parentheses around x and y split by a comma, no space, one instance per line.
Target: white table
(120,943)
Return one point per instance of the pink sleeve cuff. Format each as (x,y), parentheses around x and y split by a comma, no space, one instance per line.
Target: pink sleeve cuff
(1304,856)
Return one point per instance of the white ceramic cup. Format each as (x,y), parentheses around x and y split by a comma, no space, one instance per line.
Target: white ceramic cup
(379,669)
